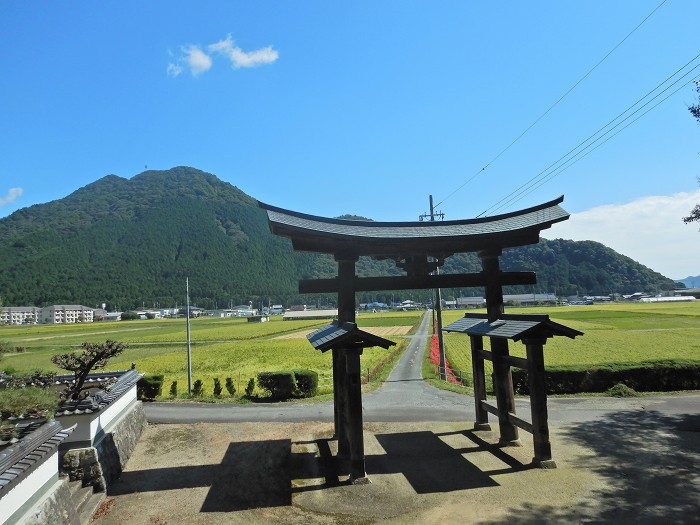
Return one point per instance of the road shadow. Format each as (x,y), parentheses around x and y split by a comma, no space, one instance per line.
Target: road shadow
(651,463)
(429,464)
(263,474)
(251,475)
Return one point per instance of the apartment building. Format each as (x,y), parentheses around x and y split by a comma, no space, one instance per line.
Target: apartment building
(19,315)
(66,314)
(55,314)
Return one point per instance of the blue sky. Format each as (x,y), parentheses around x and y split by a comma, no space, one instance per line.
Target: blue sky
(365,107)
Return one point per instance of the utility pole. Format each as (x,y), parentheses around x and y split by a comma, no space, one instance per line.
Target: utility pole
(189,349)
(437,307)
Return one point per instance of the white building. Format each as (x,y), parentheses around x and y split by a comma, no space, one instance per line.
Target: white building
(65,314)
(19,315)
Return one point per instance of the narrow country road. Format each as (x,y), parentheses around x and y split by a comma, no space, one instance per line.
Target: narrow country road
(406,397)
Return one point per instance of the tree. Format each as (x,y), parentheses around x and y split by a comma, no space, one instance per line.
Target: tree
(695,111)
(93,356)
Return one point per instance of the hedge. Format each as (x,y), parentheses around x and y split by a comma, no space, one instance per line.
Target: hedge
(280,385)
(149,387)
(306,383)
(289,383)
(660,376)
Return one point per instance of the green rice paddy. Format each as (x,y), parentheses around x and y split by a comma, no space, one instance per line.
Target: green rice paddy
(220,348)
(614,334)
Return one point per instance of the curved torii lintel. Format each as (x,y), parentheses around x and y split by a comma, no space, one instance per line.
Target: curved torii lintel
(391,239)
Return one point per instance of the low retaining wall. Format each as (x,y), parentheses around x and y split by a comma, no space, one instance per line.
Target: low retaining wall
(99,465)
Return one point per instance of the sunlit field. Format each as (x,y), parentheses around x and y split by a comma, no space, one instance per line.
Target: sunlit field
(220,348)
(621,333)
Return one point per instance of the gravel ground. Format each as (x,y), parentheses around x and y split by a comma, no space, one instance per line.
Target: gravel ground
(625,467)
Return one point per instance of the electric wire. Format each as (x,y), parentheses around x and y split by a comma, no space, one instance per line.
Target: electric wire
(494,159)
(571,162)
(588,142)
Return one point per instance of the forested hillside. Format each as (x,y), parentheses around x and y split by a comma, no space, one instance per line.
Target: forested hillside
(128,242)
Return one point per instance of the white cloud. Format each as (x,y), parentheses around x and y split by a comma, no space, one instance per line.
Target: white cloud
(11,196)
(198,61)
(650,230)
(240,58)
(174,70)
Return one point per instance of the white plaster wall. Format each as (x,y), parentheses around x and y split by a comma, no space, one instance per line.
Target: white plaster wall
(20,493)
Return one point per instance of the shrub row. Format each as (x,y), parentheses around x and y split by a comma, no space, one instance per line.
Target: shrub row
(279,385)
(289,383)
(660,376)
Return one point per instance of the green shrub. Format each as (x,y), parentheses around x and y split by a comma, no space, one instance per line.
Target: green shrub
(251,386)
(306,383)
(654,376)
(173,389)
(197,388)
(622,390)
(30,401)
(230,388)
(217,387)
(280,385)
(150,387)
(289,383)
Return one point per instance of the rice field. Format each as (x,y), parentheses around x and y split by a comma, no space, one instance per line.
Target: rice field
(614,334)
(220,348)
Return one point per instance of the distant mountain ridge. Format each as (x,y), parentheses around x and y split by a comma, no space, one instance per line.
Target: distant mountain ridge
(132,242)
(690,281)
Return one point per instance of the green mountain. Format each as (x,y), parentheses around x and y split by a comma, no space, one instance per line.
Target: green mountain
(132,242)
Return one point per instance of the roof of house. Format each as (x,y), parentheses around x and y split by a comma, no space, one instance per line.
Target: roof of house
(310,314)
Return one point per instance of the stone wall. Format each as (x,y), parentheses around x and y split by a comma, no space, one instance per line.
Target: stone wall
(116,447)
(102,464)
(56,509)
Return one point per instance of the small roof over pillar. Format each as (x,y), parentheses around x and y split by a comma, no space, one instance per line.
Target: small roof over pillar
(345,335)
(510,326)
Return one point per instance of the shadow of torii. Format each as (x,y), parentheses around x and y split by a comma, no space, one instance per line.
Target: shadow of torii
(261,474)
(428,463)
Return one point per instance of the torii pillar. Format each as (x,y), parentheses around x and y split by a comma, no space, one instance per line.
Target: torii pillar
(502,377)
(347,390)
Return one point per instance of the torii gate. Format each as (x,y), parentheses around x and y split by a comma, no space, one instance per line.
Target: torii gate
(418,248)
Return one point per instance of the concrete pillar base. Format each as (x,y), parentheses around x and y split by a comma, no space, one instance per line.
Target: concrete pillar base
(544,463)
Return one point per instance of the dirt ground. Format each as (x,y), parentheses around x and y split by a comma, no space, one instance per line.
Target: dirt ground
(627,468)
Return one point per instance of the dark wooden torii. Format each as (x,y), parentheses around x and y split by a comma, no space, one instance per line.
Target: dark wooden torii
(418,248)
(533,331)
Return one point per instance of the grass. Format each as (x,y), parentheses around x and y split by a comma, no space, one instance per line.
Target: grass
(220,348)
(33,401)
(615,334)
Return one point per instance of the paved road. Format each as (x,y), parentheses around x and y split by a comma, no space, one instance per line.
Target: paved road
(406,397)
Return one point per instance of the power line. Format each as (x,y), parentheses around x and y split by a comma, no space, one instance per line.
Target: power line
(494,159)
(568,159)
(572,162)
